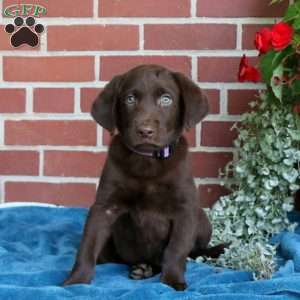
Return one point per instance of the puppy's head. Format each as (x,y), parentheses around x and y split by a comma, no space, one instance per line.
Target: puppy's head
(149,106)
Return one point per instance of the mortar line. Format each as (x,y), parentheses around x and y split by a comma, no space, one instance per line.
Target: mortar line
(96,149)
(123,21)
(43,40)
(1,69)
(101,84)
(51,179)
(77,108)
(99,136)
(208,180)
(86,117)
(194,65)
(85,180)
(2,191)
(95,9)
(29,100)
(141,37)
(140,52)
(41,162)
(97,68)
(2,131)
(239,36)
(92,149)
(198,135)
(223,102)
(194,8)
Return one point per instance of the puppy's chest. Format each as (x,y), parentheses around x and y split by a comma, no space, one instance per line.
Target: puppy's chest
(160,198)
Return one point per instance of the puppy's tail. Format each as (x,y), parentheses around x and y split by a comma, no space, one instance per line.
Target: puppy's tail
(213,252)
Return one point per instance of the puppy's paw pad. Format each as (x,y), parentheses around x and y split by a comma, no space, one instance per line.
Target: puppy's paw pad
(140,271)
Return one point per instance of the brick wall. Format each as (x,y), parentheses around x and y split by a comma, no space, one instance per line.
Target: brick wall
(52,151)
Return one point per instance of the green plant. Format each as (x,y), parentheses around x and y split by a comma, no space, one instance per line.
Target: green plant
(265,176)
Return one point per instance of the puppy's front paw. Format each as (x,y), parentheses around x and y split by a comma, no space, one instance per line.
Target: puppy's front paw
(175,283)
(79,277)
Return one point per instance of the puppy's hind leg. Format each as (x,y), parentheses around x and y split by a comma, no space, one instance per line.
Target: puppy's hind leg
(201,247)
(213,252)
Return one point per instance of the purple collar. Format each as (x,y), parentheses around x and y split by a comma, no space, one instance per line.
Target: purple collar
(163,153)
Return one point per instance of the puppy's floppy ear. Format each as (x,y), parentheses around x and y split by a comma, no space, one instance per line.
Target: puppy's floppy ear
(103,109)
(195,102)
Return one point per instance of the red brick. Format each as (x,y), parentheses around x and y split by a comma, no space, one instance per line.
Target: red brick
(238,101)
(217,134)
(50,133)
(48,68)
(220,69)
(93,37)
(12,100)
(87,97)
(19,163)
(70,194)
(144,8)
(113,65)
(208,164)
(211,193)
(5,40)
(53,100)
(60,8)
(249,35)
(240,8)
(213,100)
(190,36)
(74,163)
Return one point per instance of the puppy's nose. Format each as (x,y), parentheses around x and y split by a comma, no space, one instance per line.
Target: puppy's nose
(145,131)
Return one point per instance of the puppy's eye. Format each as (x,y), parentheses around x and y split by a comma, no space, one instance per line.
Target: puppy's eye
(165,100)
(130,99)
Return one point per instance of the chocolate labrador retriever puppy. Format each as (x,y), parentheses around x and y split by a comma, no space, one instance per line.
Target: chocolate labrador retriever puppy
(147,209)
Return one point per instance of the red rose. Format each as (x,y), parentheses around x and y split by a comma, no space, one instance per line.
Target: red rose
(263,40)
(282,34)
(247,72)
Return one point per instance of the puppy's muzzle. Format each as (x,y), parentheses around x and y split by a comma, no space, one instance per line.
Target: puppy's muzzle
(145,132)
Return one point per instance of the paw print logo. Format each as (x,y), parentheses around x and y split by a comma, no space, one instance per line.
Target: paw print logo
(24,34)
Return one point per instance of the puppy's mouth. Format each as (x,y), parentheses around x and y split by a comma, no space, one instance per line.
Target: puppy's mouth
(147,143)
(147,146)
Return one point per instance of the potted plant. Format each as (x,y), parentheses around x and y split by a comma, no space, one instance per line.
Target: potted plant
(266,176)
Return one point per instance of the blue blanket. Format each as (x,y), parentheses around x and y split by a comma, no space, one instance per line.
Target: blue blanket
(38,245)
